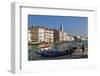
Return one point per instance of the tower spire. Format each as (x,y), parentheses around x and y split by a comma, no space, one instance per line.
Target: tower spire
(61,27)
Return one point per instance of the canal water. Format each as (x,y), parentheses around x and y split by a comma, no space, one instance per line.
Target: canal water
(32,49)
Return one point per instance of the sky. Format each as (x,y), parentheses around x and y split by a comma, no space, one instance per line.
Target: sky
(73,25)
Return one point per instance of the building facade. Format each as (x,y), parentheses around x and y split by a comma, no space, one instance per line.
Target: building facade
(43,34)
(48,35)
(29,36)
(34,34)
(56,35)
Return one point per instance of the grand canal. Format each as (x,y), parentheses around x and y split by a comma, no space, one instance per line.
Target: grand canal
(61,50)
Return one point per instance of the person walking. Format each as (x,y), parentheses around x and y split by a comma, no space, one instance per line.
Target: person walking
(83,49)
(70,52)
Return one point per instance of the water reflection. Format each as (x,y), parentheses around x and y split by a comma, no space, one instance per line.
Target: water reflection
(52,51)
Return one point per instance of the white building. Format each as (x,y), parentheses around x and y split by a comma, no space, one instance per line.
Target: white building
(63,36)
(70,38)
(29,36)
(84,38)
(48,35)
(41,36)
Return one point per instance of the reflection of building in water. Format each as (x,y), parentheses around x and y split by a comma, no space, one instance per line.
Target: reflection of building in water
(44,34)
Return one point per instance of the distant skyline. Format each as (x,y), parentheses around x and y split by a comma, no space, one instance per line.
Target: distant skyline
(73,25)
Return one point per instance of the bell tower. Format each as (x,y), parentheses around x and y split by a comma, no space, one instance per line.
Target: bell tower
(61,27)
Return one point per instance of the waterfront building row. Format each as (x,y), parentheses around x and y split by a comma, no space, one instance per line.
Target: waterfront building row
(43,34)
